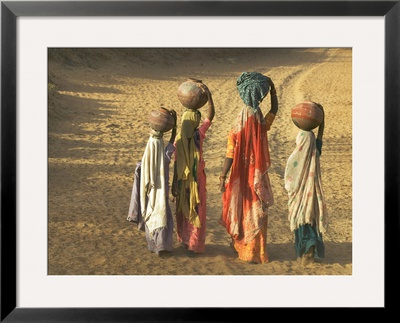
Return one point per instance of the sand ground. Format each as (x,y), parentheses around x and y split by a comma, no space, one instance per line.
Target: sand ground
(99,100)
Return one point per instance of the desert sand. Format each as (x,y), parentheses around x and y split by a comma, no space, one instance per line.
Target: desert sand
(99,100)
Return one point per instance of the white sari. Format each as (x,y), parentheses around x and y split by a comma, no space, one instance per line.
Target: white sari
(152,185)
(303,184)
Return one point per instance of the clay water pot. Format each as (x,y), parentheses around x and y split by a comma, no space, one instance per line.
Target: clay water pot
(307,115)
(161,119)
(191,95)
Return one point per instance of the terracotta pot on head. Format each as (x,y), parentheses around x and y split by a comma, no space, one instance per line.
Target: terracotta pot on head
(191,95)
(307,115)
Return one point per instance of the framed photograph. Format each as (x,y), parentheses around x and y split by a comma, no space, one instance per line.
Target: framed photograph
(73,127)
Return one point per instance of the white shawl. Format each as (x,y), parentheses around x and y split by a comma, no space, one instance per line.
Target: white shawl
(303,184)
(152,185)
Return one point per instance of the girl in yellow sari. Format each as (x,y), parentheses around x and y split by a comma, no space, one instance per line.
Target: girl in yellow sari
(189,184)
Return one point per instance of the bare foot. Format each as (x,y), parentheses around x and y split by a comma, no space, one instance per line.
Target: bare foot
(306,261)
(308,257)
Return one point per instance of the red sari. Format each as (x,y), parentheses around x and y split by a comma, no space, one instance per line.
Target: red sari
(248,191)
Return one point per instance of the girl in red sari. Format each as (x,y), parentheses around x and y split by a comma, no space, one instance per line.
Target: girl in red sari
(247,191)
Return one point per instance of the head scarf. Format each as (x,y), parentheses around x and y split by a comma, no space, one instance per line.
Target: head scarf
(187,160)
(156,134)
(303,184)
(252,87)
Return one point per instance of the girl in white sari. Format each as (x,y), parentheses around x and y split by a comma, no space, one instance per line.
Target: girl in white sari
(307,208)
(149,206)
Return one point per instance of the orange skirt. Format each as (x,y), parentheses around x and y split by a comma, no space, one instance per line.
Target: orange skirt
(254,251)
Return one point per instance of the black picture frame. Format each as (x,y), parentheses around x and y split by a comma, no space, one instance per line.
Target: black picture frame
(11,10)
